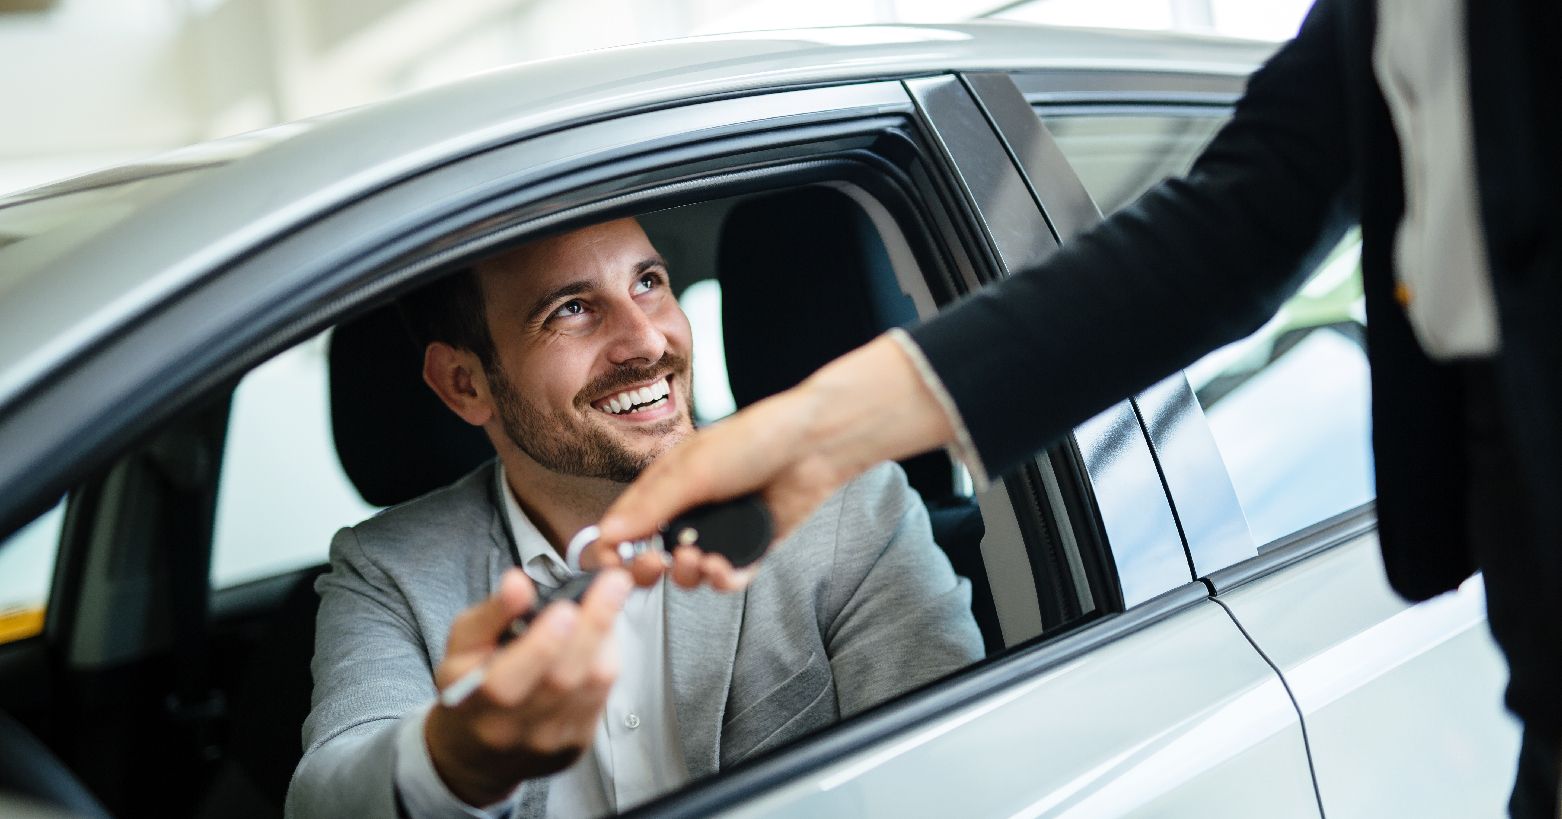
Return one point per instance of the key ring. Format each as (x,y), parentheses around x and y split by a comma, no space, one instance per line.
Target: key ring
(626,550)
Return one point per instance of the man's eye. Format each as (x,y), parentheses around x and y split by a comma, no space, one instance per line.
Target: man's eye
(569,308)
(647,283)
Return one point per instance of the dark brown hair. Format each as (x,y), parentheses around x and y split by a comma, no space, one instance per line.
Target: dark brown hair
(451,310)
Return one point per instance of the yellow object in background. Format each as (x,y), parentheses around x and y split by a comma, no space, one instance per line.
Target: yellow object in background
(20,623)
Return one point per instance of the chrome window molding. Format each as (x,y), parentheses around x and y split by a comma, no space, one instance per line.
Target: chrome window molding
(1144,537)
(1296,547)
(1123,86)
(1065,581)
(1010,219)
(1146,544)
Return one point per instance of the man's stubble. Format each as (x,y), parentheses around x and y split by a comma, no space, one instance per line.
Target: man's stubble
(566,445)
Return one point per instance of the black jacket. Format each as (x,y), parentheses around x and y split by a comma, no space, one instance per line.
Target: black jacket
(1202,261)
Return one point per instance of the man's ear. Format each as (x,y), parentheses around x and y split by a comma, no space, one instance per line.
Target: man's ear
(457,377)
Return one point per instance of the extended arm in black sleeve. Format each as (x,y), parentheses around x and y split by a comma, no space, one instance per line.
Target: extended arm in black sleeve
(1193,264)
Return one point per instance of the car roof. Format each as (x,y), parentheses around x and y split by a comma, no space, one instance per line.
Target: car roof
(260,185)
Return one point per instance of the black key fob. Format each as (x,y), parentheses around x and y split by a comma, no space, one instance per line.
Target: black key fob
(741,529)
(572,589)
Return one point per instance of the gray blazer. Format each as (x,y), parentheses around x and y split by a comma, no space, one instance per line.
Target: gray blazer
(856,606)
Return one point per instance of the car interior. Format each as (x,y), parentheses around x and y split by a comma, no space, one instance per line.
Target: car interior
(181,696)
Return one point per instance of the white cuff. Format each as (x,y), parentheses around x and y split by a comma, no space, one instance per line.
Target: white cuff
(418,785)
(962,449)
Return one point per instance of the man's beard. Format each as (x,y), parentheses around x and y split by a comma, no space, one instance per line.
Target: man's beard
(566,444)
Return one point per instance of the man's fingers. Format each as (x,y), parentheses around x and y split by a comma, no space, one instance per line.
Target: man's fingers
(478,628)
(514,673)
(599,608)
(648,566)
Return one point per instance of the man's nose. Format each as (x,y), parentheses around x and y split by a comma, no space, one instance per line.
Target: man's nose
(636,340)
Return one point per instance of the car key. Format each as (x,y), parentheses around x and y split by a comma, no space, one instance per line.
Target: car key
(572,589)
(739,529)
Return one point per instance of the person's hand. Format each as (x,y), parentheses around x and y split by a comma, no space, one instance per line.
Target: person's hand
(538,707)
(795,449)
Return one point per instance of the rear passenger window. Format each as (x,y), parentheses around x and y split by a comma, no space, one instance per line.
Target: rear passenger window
(1288,406)
(1119,156)
(283,493)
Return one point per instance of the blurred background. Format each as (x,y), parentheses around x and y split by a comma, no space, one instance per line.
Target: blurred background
(92,83)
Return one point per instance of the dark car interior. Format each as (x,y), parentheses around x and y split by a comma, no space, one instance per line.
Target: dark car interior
(202,716)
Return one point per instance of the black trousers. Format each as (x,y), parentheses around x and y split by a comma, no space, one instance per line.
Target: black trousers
(1505,547)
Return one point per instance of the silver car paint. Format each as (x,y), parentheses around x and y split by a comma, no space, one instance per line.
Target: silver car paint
(1181,718)
(1403,703)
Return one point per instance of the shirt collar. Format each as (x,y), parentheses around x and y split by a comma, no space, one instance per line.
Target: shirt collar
(538,559)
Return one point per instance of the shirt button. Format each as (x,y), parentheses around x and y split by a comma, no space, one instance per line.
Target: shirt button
(631,722)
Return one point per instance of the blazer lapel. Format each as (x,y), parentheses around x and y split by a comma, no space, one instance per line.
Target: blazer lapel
(702,639)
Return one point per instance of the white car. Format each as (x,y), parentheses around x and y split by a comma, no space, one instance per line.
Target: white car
(1183,604)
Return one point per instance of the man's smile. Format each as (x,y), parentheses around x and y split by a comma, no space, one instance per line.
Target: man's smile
(647,401)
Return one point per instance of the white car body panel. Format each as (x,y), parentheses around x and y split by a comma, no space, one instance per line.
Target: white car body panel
(1403,703)
(1180,718)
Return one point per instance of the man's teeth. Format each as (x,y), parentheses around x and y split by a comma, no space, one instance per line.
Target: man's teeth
(634,400)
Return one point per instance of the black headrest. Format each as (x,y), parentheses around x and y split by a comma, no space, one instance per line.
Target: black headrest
(801,276)
(805,279)
(395,438)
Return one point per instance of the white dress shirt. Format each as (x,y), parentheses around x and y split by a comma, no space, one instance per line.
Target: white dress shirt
(636,755)
(1420,58)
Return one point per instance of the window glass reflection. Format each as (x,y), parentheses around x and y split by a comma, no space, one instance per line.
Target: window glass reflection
(1119,157)
(1290,405)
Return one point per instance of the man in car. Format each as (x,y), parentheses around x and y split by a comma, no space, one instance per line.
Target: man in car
(574,357)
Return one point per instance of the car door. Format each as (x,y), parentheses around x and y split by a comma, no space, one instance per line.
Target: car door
(1267,441)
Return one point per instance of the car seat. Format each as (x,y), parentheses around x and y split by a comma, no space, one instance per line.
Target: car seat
(805,278)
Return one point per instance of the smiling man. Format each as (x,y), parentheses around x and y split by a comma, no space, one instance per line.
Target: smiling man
(574,357)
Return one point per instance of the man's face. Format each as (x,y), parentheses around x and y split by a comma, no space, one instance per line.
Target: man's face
(593,351)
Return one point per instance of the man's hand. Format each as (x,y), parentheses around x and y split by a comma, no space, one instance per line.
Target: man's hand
(795,449)
(537,710)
